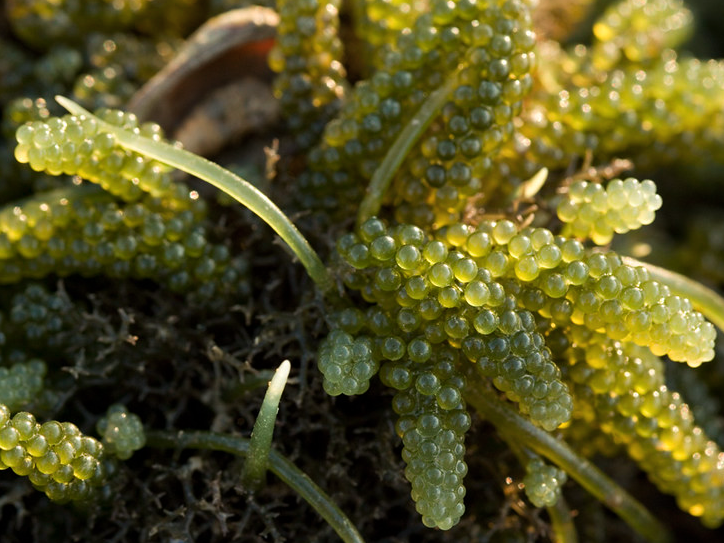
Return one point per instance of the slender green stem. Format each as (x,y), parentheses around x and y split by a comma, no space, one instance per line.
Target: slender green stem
(278,464)
(230,183)
(412,131)
(704,299)
(261,436)
(564,530)
(558,452)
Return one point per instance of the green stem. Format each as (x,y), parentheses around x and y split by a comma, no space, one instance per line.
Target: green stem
(558,452)
(257,459)
(278,464)
(381,179)
(232,184)
(564,530)
(704,299)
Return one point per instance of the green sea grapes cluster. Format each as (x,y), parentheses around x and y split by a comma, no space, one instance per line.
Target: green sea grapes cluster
(119,63)
(43,24)
(306,56)
(486,52)
(71,145)
(637,31)
(428,294)
(21,383)
(434,449)
(379,23)
(122,432)
(627,95)
(56,457)
(433,291)
(475,292)
(156,234)
(38,317)
(543,482)
(596,212)
(347,363)
(623,389)
(462,285)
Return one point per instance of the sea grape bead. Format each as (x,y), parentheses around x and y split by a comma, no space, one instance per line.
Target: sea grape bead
(122,432)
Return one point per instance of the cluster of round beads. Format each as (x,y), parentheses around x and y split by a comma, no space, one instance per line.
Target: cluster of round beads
(622,386)
(21,383)
(543,483)
(121,432)
(451,290)
(434,451)
(75,146)
(56,457)
(638,31)
(347,363)
(592,211)
(306,55)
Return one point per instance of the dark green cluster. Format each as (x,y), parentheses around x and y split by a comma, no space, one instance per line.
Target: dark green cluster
(627,95)
(121,432)
(621,390)
(347,363)
(590,210)
(434,449)
(16,69)
(56,457)
(44,24)
(487,52)
(454,157)
(39,317)
(380,23)
(21,383)
(119,63)
(307,56)
(75,231)
(543,482)
(139,57)
(24,76)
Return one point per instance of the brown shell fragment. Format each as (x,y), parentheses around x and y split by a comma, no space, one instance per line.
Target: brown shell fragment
(228,47)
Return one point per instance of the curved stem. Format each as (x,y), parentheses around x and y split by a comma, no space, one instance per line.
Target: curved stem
(704,299)
(558,452)
(261,436)
(230,183)
(409,135)
(278,464)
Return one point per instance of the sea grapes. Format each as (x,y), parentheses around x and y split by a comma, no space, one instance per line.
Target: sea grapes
(462,285)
